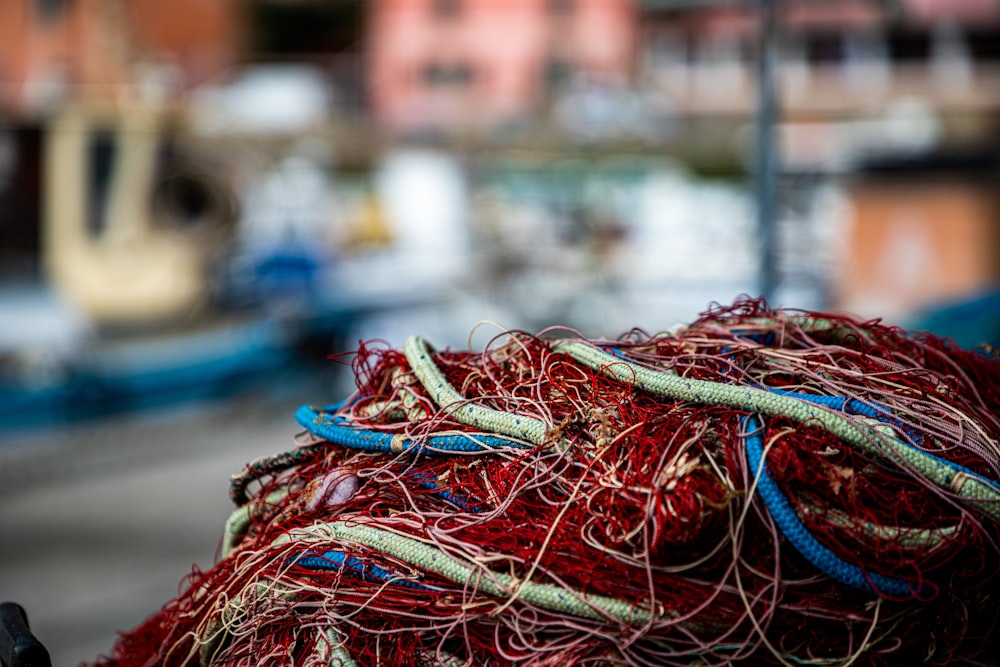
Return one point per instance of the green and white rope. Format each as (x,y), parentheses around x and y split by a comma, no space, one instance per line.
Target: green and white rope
(430,558)
(873,437)
(418,354)
(239,521)
(330,646)
(873,440)
(330,649)
(440,659)
(903,536)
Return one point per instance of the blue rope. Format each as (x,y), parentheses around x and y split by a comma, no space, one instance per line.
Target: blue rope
(871,410)
(338,560)
(429,482)
(784,516)
(337,431)
(852,405)
(883,414)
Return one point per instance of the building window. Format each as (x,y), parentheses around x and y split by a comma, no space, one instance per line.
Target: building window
(826,48)
(49,11)
(557,73)
(561,7)
(446,9)
(438,74)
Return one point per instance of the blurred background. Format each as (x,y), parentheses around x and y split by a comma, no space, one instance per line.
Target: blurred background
(201,200)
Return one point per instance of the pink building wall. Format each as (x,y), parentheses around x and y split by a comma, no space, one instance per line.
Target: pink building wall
(497,51)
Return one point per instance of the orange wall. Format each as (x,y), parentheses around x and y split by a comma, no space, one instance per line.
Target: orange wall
(13,53)
(96,43)
(203,36)
(913,245)
(29,47)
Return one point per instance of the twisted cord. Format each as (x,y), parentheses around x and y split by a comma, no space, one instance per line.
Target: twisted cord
(497,584)
(336,430)
(418,354)
(784,515)
(944,474)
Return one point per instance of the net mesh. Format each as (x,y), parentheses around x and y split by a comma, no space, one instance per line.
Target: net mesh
(636,527)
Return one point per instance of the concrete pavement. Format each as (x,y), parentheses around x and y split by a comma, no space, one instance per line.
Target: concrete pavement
(100,523)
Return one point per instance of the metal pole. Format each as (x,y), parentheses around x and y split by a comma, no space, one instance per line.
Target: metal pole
(766,157)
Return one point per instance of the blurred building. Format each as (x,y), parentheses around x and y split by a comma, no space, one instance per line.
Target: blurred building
(57,51)
(898,104)
(448,63)
(577,84)
(102,56)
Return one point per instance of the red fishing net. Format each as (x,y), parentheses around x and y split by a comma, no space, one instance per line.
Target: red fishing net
(759,487)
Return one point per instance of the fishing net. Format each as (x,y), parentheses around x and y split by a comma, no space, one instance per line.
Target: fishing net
(760,487)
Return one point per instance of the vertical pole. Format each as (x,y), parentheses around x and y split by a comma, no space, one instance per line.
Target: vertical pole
(766,148)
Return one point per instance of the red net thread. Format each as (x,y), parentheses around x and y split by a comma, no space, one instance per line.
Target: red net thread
(646,500)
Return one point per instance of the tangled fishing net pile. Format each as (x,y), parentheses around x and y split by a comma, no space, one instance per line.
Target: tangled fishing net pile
(760,487)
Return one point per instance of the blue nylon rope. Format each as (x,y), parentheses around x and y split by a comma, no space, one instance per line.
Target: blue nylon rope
(428,482)
(784,516)
(338,560)
(883,414)
(336,430)
(853,405)
(872,410)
